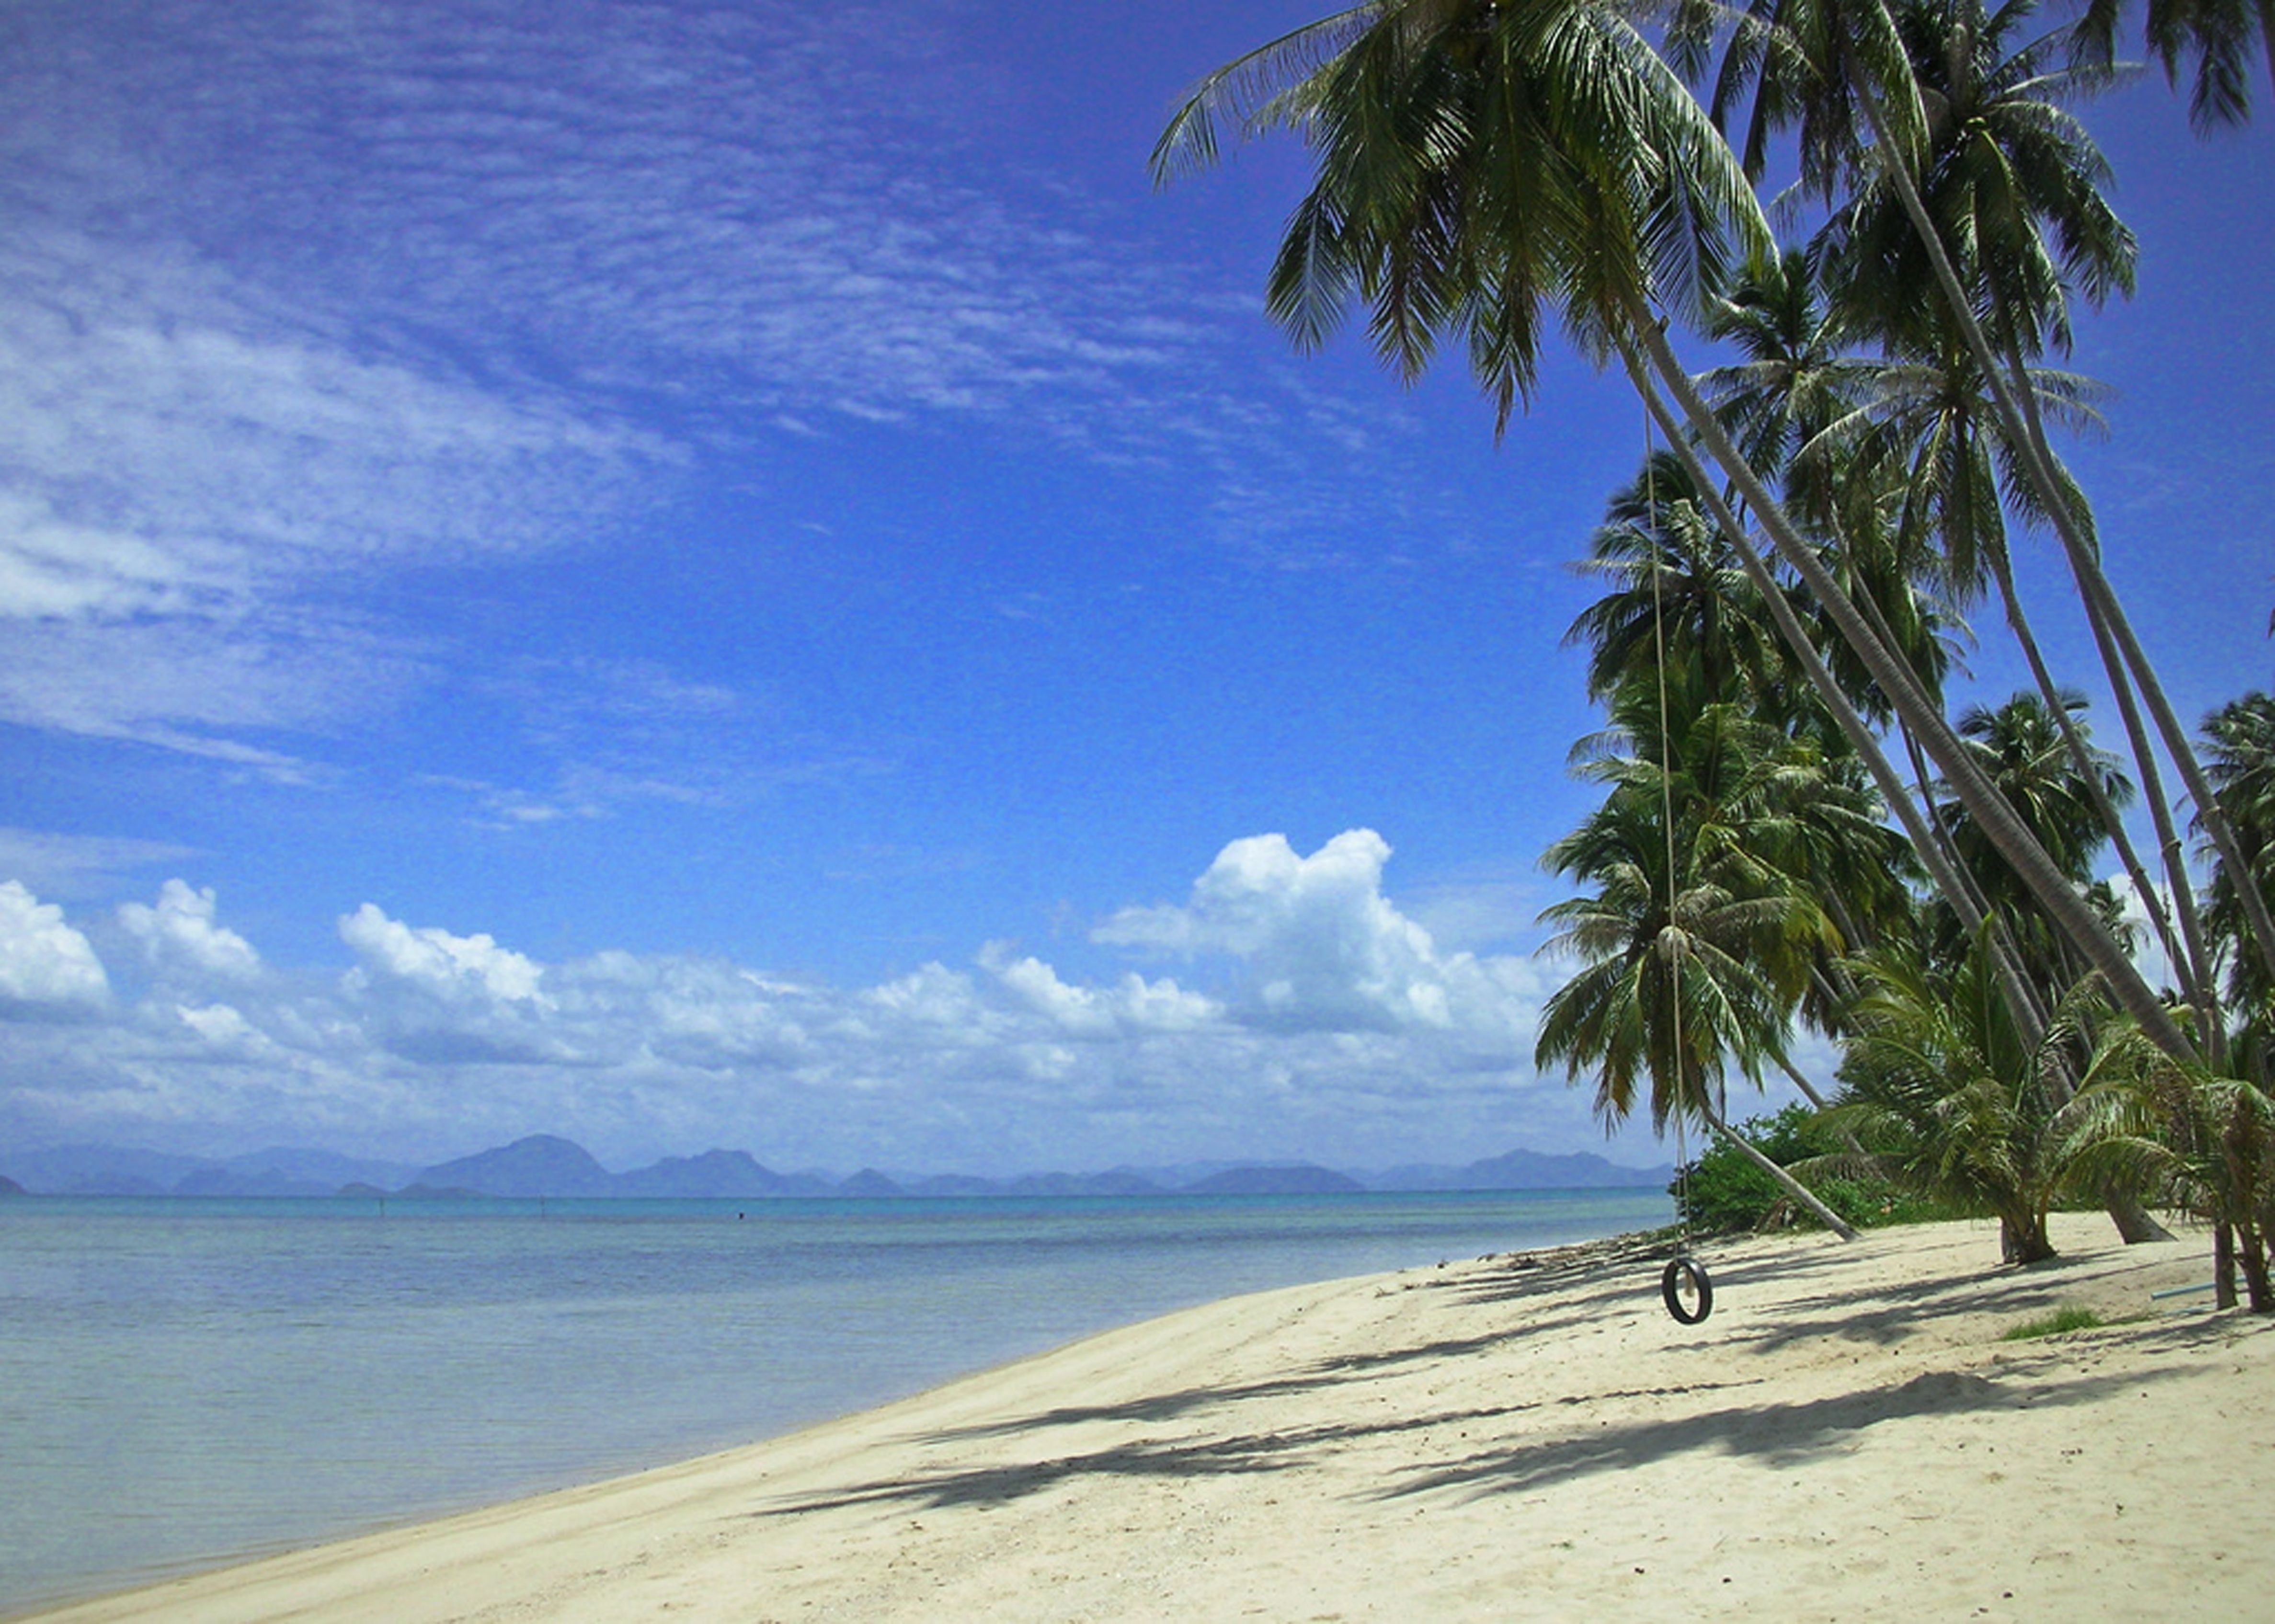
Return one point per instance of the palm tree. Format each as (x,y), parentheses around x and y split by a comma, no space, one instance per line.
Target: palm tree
(2027,755)
(1928,428)
(2219,34)
(1798,407)
(1793,407)
(1972,151)
(2241,735)
(2196,1102)
(1667,996)
(1770,809)
(1479,162)
(1795,381)
(1683,604)
(1946,1095)
(1680,594)
(1812,416)
(2000,165)
(2204,1141)
(2010,183)
(1696,942)
(2022,750)
(1923,428)
(2006,169)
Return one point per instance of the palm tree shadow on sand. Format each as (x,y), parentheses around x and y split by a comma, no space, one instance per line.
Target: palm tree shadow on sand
(1782,1435)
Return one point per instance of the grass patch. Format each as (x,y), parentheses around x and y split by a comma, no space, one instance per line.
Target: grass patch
(2070,1318)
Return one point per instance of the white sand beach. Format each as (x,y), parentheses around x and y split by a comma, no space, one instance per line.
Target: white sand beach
(1524,1437)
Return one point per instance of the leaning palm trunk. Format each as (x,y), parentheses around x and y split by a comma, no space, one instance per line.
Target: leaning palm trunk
(2028,434)
(2121,653)
(1953,881)
(1794,1076)
(2081,759)
(2005,831)
(1920,777)
(1949,879)
(1785,1180)
(1924,785)
(2195,970)
(2133,1222)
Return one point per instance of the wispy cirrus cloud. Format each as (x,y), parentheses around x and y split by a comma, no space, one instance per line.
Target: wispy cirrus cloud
(75,865)
(608,734)
(424,284)
(724,205)
(289,308)
(187,483)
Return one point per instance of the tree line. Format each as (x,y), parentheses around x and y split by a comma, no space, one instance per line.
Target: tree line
(1797,833)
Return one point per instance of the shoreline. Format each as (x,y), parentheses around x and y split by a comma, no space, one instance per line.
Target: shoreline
(633,1337)
(1522,1435)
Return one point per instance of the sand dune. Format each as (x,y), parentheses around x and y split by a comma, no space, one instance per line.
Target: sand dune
(1512,1438)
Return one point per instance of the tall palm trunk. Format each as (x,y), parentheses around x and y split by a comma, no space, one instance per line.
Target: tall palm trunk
(2027,433)
(2193,963)
(2195,970)
(1949,879)
(1794,1076)
(1923,781)
(2121,652)
(1996,818)
(2081,759)
(2135,1222)
(1878,622)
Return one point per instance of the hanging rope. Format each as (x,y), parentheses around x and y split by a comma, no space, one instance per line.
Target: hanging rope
(1684,1286)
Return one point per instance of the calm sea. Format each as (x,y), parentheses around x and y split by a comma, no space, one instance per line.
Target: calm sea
(186,1381)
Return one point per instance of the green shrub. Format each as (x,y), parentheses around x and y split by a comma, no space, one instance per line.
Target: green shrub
(1723,1190)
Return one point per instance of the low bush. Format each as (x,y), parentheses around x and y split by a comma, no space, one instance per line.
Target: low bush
(1723,1190)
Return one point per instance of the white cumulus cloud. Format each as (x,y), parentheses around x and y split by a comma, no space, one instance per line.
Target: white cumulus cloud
(220,1024)
(1341,1032)
(179,935)
(931,996)
(1132,1005)
(431,959)
(44,961)
(1321,947)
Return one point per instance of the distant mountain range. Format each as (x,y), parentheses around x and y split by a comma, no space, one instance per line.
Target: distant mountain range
(545,1166)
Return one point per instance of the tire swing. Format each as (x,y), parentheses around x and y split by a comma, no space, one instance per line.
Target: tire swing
(1684,1286)
(1687,1289)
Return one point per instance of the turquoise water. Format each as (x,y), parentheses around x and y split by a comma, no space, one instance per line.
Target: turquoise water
(184,1381)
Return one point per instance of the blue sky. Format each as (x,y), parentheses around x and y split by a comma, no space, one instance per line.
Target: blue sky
(694,575)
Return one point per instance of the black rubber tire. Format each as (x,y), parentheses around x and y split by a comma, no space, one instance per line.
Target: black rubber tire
(1670,1289)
